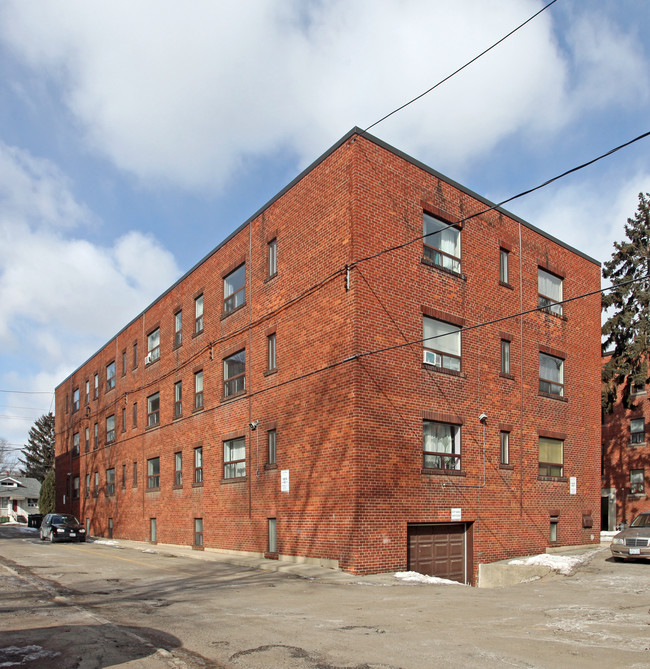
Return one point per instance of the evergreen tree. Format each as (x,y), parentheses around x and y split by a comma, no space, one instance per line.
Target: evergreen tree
(47,499)
(627,330)
(39,452)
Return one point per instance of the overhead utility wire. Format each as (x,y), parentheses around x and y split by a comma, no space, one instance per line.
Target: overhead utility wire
(449,76)
(510,199)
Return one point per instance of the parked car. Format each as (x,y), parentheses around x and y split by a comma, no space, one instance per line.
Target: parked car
(62,527)
(634,541)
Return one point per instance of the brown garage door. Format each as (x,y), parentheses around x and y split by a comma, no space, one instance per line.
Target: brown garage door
(439,550)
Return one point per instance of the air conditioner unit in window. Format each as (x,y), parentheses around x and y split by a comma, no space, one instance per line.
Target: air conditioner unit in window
(432,358)
(148,358)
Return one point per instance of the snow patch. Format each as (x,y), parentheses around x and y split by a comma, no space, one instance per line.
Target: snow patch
(107,542)
(562,564)
(414,577)
(14,656)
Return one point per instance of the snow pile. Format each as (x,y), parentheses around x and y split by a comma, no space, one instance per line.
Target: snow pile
(107,542)
(26,530)
(562,564)
(414,577)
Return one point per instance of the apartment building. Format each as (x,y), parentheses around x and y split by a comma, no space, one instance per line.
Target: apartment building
(625,460)
(378,371)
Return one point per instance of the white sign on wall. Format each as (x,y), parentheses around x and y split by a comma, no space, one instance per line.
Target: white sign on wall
(456,514)
(573,485)
(284,480)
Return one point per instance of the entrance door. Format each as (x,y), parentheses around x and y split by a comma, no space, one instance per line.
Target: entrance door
(439,550)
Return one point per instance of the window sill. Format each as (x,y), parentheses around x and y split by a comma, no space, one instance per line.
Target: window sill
(177,416)
(196,334)
(637,495)
(506,285)
(270,277)
(156,489)
(270,372)
(553,479)
(509,468)
(234,311)
(548,312)
(443,472)
(197,409)
(639,444)
(234,396)
(239,479)
(197,484)
(444,270)
(152,363)
(177,346)
(155,426)
(443,370)
(270,466)
(503,375)
(177,487)
(559,398)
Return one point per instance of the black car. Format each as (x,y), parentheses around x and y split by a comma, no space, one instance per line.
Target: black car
(62,527)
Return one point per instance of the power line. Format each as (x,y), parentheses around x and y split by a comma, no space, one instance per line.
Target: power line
(500,204)
(449,76)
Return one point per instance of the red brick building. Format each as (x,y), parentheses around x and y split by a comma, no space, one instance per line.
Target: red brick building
(626,461)
(405,414)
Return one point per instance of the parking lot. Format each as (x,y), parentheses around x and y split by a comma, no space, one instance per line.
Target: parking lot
(100,604)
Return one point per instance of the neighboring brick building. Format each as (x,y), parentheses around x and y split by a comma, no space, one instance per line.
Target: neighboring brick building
(625,461)
(368,451)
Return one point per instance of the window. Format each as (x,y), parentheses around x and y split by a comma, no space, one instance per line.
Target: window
(272,438)
(135,474)
(110,528)
(96,387)
(110,429)
(234,458)
(75,487)
(272,247)
(273,537)
(87,391)
(123,419)
(234,293)
(123,476)
(75,443)
(198,531)
(153,530)
(555,521)
(110,375)
(87,440)
(110,482)
(637,430)
(505,448)
(505,356)
(441,344)
(96,484)
(636,481)
(124,362)
(198,464)
(638,388)
(441,243)
(198,390)
(270,352)
(153,346)
(87,485)
(504,269)
(178,468)
(198,315)
(135,414)
(75,400)
(153,409)
(441,445)
(549,288)
(153,473)
(551,375)
(96,436)
(135,354)
(234,374)
(178,399)
(551,457)
(178,328)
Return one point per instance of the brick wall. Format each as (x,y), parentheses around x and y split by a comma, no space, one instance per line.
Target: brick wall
(349,429)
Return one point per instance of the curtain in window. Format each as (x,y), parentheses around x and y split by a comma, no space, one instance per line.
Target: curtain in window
(447,336)
(549,285)
(550,368)
(447,239)
(439,437)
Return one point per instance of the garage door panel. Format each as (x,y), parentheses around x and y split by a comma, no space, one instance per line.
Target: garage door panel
(438,550)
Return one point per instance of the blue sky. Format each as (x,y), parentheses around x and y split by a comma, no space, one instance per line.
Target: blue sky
(134,137)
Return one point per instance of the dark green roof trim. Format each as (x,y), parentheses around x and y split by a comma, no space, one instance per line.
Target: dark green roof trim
(302,175)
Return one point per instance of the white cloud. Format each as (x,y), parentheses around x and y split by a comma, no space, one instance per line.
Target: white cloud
(55,287)
(188,93)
